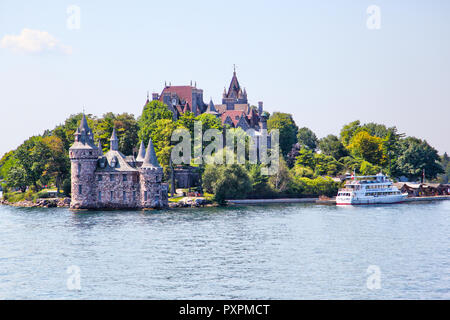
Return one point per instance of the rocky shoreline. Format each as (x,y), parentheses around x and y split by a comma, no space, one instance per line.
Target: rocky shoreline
(40,203)
(65,203)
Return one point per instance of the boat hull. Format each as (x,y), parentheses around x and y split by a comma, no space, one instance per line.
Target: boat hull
(346,201)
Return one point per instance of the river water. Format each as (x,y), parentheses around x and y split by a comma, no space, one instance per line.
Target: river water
(296,251)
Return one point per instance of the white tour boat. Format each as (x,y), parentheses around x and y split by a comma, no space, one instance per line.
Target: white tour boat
(361,190)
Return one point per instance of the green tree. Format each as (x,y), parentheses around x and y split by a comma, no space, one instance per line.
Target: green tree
(348,131)
(187,121)
(6,163)
(332,146)
(209,121)
(17,178)
(57,167)
(153,111)
(126,129)
(287,128)
(305,159)
(32,155)
(416,155)
(260,185)
(368,169)
(161,136)
(281,182)
(445,164)
(227,182)
(308,139)
(326,165)
(367,147)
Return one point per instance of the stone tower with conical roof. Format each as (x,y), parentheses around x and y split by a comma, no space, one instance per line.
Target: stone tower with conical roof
(83,157)
(153,193)
(113,180)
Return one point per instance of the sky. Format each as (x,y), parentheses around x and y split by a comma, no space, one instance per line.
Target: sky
(321,61)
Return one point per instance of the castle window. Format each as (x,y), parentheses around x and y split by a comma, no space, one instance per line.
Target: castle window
(79,169)
(111,177)
(80,189)
(99,196)
(124,196)
(134,195)
(99,177)
(145,195)
(124,177)
(90,153)
(111,195)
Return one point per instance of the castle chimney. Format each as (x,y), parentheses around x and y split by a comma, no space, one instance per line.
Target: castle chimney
(155,96)
(260,107)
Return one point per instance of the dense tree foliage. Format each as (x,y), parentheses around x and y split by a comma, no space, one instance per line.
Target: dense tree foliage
(445,164)
(415,156)
(152,112)
(161,137)
(308,139)
(227,182)
(332,146)
(287,128)
(126,129)
(364,146)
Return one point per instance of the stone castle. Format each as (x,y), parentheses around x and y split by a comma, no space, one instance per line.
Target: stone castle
(113,180)
(235,111)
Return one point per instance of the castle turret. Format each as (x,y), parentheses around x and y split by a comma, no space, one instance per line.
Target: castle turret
(100,148)
(114,142)
(141,154)
(83,157)
(153,193)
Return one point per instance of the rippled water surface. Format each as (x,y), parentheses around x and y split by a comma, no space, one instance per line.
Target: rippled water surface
(254,252)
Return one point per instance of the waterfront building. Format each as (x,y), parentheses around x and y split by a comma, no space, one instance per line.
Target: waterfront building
(235,110)
(113,180)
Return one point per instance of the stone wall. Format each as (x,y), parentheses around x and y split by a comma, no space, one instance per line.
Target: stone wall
(83,184)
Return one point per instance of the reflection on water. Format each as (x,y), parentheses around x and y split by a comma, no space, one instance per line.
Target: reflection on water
(255,252)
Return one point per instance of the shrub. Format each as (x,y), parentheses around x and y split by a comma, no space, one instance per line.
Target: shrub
(67,187)
(43,194)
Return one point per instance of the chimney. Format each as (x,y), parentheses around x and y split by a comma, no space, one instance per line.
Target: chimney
(155,96)
(260,107)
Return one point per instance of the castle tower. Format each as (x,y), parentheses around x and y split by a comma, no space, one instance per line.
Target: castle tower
(83,157)
(234,95)
(153,193)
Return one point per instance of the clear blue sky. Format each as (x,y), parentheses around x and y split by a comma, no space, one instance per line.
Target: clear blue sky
(314,59)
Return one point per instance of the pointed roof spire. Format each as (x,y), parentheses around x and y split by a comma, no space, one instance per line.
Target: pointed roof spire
(141,153)
(233,91)
(114,141)
(150,160)
(211,108)
(84,124)
(99,147)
